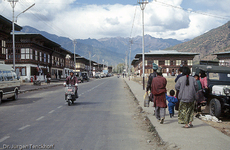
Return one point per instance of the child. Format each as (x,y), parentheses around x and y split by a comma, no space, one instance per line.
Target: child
(171,102)
(196,76)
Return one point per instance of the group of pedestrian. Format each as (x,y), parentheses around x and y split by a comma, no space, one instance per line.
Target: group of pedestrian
(186,90)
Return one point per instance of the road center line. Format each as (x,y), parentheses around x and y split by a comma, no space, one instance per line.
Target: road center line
(59,107)
(4,138)
(40,118)
(51,111)
(22,128)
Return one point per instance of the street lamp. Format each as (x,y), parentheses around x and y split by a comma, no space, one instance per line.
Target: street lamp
(143,4)
(74,45)
(13,4)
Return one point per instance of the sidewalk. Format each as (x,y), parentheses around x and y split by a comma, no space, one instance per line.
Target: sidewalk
(27,86)
(200,137)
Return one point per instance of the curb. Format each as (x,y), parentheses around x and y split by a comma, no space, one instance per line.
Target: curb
(161,141)
(46,87)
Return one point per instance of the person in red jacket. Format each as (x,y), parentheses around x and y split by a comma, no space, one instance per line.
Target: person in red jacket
(158,90)
(73,81)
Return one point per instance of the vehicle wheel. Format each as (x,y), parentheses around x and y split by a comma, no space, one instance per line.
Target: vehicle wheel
(15,97)
(215,108)
(69,103)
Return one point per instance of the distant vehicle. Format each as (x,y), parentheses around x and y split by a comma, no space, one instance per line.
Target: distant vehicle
(218,93)
(79,77)
(98,75)
(9,83)
(85,76)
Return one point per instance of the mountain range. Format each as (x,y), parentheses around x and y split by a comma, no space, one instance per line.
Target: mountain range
(111,50)
(207,44)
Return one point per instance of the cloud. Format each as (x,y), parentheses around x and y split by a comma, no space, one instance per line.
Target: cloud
(163,18)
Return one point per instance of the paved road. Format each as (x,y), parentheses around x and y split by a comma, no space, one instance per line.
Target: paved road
(101,119)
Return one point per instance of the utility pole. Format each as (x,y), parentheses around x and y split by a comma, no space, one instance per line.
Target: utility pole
(13,4)
(89,64)
(131,42)
(74,45)
(143,4)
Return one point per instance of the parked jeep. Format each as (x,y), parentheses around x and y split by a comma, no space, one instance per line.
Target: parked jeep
(218,93)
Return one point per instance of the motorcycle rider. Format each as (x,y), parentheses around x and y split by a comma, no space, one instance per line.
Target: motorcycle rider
(73,81)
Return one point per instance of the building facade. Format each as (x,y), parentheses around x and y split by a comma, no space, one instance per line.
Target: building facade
(224,58)
(169,60)
(5,30)
(36,56)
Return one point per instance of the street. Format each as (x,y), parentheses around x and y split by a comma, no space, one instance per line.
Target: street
(100,119)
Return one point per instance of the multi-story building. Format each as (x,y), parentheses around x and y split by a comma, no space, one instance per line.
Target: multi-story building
(169,60)
(36,55)
(5,30)
(224,58)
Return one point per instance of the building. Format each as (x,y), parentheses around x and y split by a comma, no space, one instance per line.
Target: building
(224,58)
(36,56)
(169,60)
(5,30)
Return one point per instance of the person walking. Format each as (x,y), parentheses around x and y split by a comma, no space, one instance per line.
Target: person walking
(177,91)
(187,86)
(172,100)
(158,89)
(151,76)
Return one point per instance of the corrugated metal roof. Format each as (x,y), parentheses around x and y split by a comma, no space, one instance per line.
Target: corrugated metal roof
(228,52)
(167,52)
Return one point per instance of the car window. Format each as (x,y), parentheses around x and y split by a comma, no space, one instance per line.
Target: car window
(1,76)
(219,76)
(9,76)
(14,75)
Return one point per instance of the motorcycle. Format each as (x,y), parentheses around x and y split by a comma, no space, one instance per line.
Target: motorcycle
(70,94)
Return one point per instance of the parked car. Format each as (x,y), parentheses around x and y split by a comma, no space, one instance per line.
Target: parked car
(79,77)
(218,93)
(9,83)
(98,75)
(85,76)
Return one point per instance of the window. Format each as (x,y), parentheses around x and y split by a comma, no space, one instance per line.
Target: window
(178,62)
(190,63)
(40,56)
(36,55)
(167,62)
(3,47)
(26,53)
(1,76)
(6,53)
(156,62)
(45,58)
(48,58)
(31,54)
(146,62)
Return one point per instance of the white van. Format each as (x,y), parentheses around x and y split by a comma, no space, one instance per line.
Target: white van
(9,83)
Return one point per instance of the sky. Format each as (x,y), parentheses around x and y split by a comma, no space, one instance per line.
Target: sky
(95,19)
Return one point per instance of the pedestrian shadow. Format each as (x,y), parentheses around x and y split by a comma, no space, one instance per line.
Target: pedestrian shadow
(19,101)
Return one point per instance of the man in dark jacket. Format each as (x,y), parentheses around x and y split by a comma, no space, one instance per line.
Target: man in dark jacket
(159,90)
(151,76)
(73,81)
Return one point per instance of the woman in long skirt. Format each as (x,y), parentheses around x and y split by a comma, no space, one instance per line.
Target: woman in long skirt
(188,87)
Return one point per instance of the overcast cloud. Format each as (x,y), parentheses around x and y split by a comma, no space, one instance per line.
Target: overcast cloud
(75,20)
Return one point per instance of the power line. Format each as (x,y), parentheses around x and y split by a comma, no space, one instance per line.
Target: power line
(55,28)
(189,10)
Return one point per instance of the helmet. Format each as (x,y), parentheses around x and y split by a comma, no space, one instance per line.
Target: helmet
(155,67)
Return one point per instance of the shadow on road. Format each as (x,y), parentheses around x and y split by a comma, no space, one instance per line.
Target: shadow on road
(85,103)
(19,101)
